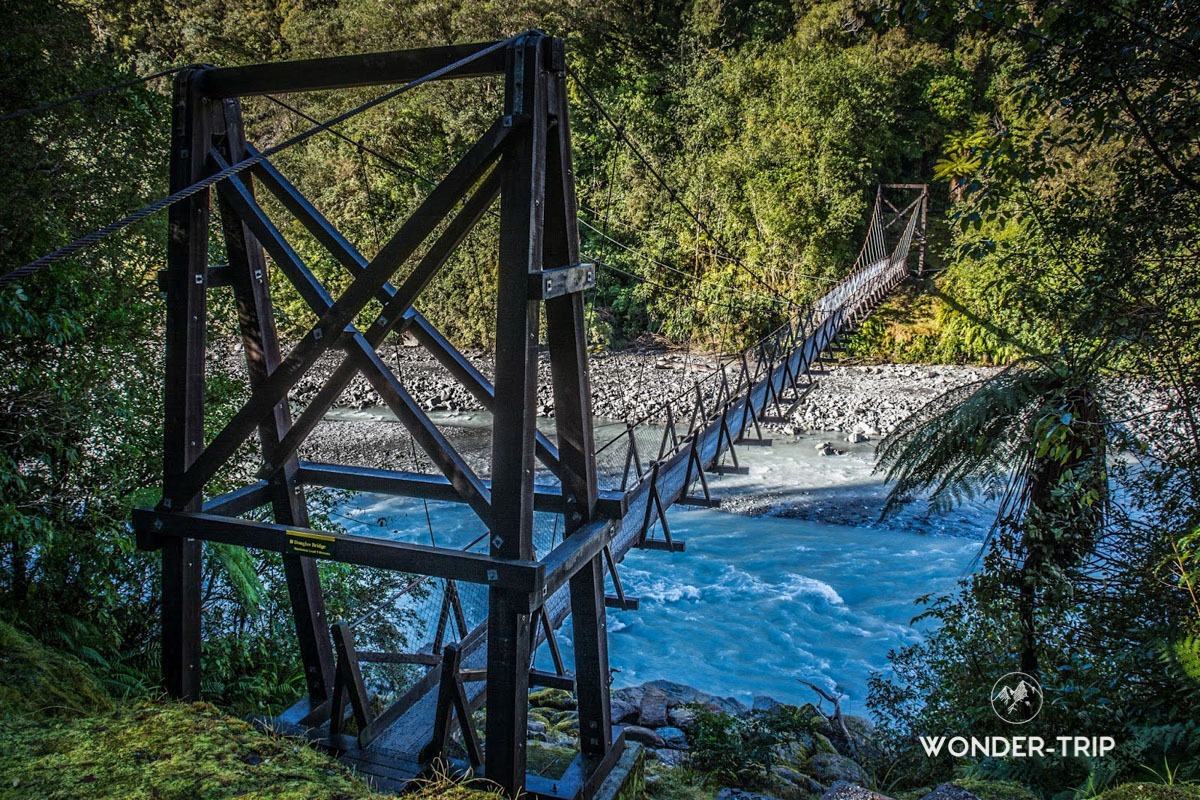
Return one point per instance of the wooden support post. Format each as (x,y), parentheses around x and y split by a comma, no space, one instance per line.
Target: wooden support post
(452,702)
(567,338)
(521,207)
(187,287)
(251,285)
(349,683)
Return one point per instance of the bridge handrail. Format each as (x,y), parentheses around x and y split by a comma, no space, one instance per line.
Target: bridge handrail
(801,317)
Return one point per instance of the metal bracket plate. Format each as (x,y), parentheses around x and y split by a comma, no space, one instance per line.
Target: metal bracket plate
(556,282)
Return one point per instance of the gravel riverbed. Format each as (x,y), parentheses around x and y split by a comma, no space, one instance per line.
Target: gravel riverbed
(626,387)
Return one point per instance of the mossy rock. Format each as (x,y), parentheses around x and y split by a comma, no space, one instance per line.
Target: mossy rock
(821,744)
(995,790)
(40,682)
(1152,791)
(542,715)
(559,699)
(548,760)
(568,727)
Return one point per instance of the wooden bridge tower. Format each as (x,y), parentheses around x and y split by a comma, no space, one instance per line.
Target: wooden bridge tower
(524,158)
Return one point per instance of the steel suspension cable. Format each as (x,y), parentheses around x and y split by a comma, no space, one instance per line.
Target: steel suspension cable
(98,235)
(663,265)
(360,145)
(89,94)
(670,190)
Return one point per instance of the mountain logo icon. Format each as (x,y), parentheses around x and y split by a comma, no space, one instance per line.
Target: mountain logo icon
(1017,698)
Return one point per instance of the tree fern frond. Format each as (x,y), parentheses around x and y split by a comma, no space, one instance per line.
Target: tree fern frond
(966,442)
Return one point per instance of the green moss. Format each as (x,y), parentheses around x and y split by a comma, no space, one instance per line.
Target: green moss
(40,682)
(665,783)
(542,715)
(559,699)
(167,750)
(442,787)
(821,744)
(548,760)
(1152,791)
(61,736)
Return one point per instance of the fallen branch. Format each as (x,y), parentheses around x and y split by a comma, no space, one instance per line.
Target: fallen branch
(836,716)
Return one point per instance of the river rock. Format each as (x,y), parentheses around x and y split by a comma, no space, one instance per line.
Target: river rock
(670,757)
(674,737)
(741,794)
(841,790)
(683,717)
(950,791)
(653,710)
(829,768)
(636,733)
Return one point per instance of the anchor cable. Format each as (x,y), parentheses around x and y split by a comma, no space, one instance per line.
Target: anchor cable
(95,236)
(89,94)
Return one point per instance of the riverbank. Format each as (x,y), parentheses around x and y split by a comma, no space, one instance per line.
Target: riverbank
(627,386)
(630,385)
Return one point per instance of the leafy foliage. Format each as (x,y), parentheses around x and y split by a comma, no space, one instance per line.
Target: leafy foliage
(742,749)
(1075,250)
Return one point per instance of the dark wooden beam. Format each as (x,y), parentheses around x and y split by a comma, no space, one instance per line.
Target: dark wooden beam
(517,576)
(332,323)
(183,442)
(514,424)
(344,72)
(260,344)
(239,501)
(610,504)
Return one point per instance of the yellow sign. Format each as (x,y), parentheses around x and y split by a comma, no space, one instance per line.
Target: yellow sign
(314,545)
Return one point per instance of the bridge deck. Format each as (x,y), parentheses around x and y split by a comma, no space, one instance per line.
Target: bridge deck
(393,753)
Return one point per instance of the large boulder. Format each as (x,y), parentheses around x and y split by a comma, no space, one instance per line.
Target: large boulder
(653,710)
(950,791)
(829,768)
(636,733)
(674,737)
(623,710)
(861,743)
(679,694)
(807,784)
(741,794)
(841,790)
(629,694)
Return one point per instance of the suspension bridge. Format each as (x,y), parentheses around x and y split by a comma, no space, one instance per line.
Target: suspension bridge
(556,515)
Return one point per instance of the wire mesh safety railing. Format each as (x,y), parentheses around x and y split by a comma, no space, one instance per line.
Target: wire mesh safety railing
(629,455)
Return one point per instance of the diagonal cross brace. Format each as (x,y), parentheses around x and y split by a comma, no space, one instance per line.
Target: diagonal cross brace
(413,321)
(182,487)
(361,355)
